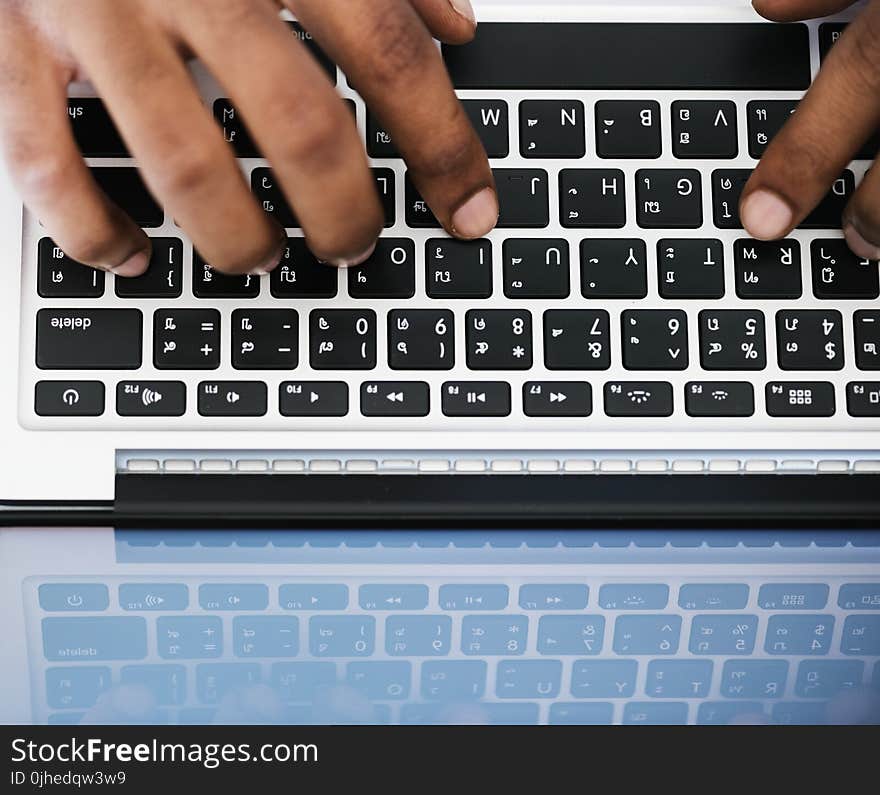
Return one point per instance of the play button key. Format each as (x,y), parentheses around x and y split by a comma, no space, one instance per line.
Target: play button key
(313,399)
(557,399)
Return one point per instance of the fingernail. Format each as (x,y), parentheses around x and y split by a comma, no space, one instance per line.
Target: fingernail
(859,246)
(464,8)
(766,216)
(477,216)
(352,262)
(272,262)
(133,266)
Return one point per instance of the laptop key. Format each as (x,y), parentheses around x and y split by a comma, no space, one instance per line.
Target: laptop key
(342,339)
(614,268)
(395,399)
(186,339)
(800,399)
(477,597)
(418,636)
(150,398)
(269,195)
(453,680)
(719,399)
(381,680)
(669,199)
(342,636)
(95,133)
(840,274)
(732,339)
(604,678)
(164,277)
(639,399)
(669,713)
(189,637)
(634,596)
(165,683)
(379,142)
(125,188)
(300,275)
(647,634)
(216,681)
(386,181)
(628,129)
(499,339)
(867,333)
(528,679)
(723,634)
(232,399)
(313,399)
(458,269)
(690,268)
(552,129)
(810,340)
(421,339)
(577,339)
(793,596)
(418,214)
(713,596)
(592,198)
(209,283)
(495,635)
(859,596)
(89,339)
(390,272)
(727,188)
(574,714)
(59,276)
(829,212)
(476,399)
(704,129)
(153,596)
(861,636)
(76,688)
(536,268)
(63,597)
(575,634)
(678,678)
(265,339)
(754,678)
(766,119)
(553,597)
(524,198)
(557,399)
(799,635)
(69,399)
(105,638)
(766,269)
(490,119)
(827,678)
(265,636)
(654,339)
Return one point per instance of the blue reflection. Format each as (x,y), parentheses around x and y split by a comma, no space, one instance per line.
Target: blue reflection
(416,627)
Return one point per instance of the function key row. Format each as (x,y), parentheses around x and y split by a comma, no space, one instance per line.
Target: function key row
(458,399)
(425,339)
(532,269)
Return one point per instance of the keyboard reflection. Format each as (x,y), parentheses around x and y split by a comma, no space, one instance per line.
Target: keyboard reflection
(406,627)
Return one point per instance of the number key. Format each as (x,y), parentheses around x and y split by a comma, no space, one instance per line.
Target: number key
(867,330)
(499,340)
(59,276)
(733,339)
(655,340)
(421,339)
(343,339)
(810,340)
(265,339)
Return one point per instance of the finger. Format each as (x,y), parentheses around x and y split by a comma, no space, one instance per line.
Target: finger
(181,151)
(385,49)
(297,120)
(861,224)
(451,21)
(793,10)
(47,167)
(838,114)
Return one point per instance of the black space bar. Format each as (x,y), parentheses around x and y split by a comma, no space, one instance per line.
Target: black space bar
(744,56)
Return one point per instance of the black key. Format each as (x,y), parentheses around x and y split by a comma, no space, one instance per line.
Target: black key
(490,119)
(476,399)
(300,275)
(499,339)
(669,199)
(733,339)
(164,277)
(537,268)
(418,214)
(390,272)
(639,399)
(800,399)
(523,195)
(614,268)
(727,188)
(59,276)
(421,339)
(829,213)
(395,399)
(313,399)
(704,129)
(265,339)
(829,34)
(342,339)
(840,274)
(233,399)
(863,399)
(592,198)
(766,119)
(458,268)
(577,339)
(810,339)
(186,339)
(209,283)
(379,143)
(628,129)
(89,339)
(654,339)
(69,399)
(719,399)
(95,133)
(235,131)
(150,399)
(552,128)
(125,187)
(316,52)
(867,333)
(557,399)
(632,55)
(690,268)
(385,186)
(272,199)
(766,269)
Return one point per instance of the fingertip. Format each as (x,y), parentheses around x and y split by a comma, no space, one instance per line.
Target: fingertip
(135,265)
(465,9)
(859,244)
(766,215)
(477,216)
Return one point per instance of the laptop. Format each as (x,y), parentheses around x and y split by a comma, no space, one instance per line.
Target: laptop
(616,463)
